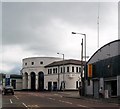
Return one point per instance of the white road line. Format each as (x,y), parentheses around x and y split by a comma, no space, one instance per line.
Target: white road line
(81,105)
(16,97)
(51,98)
(24,105)
(65,102)
(68,102)
(60,100)
(58,95)
(11,101)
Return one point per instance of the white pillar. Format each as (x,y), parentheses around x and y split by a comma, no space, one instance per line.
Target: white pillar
(29,81)
(36,80)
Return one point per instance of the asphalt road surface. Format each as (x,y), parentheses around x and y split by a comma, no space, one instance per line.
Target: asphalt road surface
(31,100)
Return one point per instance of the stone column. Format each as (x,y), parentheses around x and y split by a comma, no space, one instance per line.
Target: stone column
(36,80)
(29,81)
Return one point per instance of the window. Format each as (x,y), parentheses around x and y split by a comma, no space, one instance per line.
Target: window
(54,70)
(64,70)
(32,63)
(49,71)
(77,69)
(61,70)
(41,62)
(72,69)
(77,84)
(68,70)
(26,63)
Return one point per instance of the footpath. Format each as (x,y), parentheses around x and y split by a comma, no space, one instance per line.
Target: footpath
(75,94)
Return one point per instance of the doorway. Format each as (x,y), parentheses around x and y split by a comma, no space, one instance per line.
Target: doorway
(41,81)
(96,88)
(32,81)
(13,83)
(49,86)
(114,88)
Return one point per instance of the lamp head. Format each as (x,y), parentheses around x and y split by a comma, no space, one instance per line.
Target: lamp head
(73,33)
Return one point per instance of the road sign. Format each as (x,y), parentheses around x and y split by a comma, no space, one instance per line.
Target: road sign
(7,79)
(7,75)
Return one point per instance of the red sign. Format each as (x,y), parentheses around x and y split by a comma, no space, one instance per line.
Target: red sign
(89,70)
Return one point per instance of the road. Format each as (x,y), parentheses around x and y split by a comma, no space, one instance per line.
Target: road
(30,100)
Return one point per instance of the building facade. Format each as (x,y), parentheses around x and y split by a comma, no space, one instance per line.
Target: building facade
(33,72)
(63,75)
(46,73)
(103,70)
(15,81)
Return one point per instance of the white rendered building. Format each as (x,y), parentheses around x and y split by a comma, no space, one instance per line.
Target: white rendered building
(33,72)
(46,73)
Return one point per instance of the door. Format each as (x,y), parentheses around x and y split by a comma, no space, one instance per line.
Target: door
(49,86)
(96,88)
(54,86)
(13,83)
(114,88)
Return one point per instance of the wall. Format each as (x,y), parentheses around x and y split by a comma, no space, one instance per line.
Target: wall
(36,68)
(104,54)
(70,77)
(18,83)
(118,86)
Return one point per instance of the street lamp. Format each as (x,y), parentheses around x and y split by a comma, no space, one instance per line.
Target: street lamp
(82,81)
(63,83)
(84,42)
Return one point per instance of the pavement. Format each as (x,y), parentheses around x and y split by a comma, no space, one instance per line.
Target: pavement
(75,94)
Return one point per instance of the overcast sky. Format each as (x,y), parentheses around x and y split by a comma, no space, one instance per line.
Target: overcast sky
(31,29)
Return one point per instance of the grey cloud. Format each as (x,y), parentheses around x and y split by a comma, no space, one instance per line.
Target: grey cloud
(20,20)
(31,24)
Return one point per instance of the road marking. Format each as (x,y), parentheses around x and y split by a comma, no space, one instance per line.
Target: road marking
(11,101)
(51,98)
(16,97)
(33,106)
(65,102)
(68,102)
(81,105)
(58,95)
(24,105)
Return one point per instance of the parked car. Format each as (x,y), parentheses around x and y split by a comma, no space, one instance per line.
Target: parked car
(8,90)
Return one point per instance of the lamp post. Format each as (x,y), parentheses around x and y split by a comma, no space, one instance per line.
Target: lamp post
(84,42)
(82,80)
(63,83)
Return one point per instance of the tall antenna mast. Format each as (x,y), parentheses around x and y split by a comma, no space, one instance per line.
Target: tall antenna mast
(98,25)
